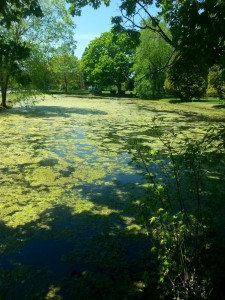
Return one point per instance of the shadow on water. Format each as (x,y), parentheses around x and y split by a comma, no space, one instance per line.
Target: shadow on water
(219,106)
(54,111)
(84,256)
(189,116)
(96,251)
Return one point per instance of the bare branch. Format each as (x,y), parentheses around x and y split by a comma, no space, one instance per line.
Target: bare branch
(155,22)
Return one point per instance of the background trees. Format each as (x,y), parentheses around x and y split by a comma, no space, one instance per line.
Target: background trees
(150,62)
(67,72)
(29,40)
(14,10)
(185,36)
(107,61)
(196,34)
(13,50)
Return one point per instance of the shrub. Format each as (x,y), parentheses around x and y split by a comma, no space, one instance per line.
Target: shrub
(188,81)
(217,81)
(184,214)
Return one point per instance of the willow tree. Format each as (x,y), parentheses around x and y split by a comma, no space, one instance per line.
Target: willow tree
(150,59)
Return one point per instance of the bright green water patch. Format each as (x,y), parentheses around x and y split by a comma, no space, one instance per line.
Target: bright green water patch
(67,178)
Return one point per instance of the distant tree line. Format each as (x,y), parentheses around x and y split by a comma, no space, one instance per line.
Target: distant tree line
(37,47)
(178,50)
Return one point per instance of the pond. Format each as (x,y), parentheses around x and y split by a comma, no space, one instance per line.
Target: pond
(70,191)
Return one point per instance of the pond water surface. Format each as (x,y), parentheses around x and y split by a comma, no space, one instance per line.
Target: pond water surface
(69,197)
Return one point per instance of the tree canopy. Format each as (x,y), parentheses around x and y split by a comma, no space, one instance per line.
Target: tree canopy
(14,10)
(12,48)
(197,26)
(150,59)
(67,71)
(107,60)
(39,30)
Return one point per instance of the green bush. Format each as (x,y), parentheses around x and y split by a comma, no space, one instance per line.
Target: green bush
(217,82)
(184,215)
(187,80)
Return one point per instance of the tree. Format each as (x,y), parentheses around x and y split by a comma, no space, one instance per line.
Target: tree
(37,68)
(10,56)
(48,37)
(54,31)
(33,35)
(150,60)
(197,26)
(106,62)
(216,80)
(67,71)
(14,10)
(188,80)
(13,50)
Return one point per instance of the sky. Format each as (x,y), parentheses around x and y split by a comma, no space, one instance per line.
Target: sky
(92,23)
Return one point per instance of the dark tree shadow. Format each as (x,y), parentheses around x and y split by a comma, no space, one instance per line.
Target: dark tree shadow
(54,111)
(72,256)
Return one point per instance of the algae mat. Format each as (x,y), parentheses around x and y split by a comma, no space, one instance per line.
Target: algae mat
(69,197)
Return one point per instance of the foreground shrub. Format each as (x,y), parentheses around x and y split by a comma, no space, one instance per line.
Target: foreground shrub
(184,215)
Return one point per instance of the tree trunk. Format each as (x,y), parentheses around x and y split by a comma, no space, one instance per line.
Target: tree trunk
(119,87)
(66,84)
(4,88)
(4,99)
(66,88)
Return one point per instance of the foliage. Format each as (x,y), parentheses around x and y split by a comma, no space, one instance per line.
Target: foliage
(54,32)
(187,79)
(12,50)
(150,62)
(11,55)
(13,10)
(196,35)
(67,71)
(37,68)
(217,81)
(178,214)
(196,26)
(107,61)
(36,39)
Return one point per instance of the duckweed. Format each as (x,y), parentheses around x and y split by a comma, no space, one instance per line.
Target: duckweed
(67,175)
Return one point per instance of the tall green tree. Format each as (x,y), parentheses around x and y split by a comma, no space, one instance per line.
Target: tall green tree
(35,38)
(48,37)
(150,61)
(67,72)
(196,26)
(11,56)
(12,49)
(107,61)
(38,70)
(54,31)
(216,80)
(188,79)
(15,10)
